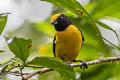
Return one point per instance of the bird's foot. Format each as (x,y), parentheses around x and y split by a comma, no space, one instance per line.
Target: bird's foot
(84,64)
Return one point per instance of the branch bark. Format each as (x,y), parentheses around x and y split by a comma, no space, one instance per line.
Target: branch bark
(97,61)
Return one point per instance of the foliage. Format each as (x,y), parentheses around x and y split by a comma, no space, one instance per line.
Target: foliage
(106,8)
(65,70)
(3,20)
(87,18)
(21,48)
(1,51)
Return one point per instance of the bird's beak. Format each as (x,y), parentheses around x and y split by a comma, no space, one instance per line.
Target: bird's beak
(54,22)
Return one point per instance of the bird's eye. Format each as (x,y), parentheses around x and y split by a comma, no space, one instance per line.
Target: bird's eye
(61,17)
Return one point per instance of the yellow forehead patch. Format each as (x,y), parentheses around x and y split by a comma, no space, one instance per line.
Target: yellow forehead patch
(55,17)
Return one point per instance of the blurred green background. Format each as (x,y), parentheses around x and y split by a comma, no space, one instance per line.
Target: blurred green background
(31,19)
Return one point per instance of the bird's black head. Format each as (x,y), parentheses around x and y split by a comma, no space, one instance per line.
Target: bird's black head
(60,22)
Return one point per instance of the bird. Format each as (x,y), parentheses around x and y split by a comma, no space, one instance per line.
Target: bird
(68,39)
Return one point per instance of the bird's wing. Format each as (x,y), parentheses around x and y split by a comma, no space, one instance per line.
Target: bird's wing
(81,34)
(54,43)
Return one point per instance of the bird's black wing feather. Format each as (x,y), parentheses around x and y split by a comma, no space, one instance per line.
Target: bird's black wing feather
(54,45)
(81,34)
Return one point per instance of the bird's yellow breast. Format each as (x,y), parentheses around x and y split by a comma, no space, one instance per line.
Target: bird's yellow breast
(68,43)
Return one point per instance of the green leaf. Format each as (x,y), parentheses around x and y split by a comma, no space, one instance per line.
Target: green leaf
(1,51)
(106,8)
(77,8)
(3,20)
(21,48)
(53,63)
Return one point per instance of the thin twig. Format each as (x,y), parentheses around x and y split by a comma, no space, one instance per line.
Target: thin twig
(44,70)
(21,72)
(16,73)
(98,61)
(13,67)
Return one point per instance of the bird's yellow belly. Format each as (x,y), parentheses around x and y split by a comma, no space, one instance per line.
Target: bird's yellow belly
(68,43)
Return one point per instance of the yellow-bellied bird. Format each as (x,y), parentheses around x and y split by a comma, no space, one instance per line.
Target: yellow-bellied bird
(68,39)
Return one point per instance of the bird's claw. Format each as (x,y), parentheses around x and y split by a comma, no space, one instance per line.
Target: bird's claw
(84,65)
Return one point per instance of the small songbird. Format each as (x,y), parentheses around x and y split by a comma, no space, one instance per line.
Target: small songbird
(68,39)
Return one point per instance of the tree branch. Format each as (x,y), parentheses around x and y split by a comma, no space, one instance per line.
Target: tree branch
(43,70)
(97,61)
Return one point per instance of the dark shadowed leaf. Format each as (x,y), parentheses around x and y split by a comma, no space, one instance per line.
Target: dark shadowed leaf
(21,48)
(53,63)
(1,51)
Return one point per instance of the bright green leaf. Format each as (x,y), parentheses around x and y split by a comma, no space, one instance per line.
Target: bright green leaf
(1,51)
(3,20)
(106,8)
(21,48)
(65,70)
